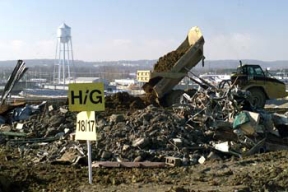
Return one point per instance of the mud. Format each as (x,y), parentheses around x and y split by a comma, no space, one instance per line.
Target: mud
(123,101)
(256,173)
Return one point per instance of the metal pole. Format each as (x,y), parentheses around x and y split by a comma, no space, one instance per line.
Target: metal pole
(89,161)
(64,63)
(72,61)
(55,64)
(68,62)
(59,62)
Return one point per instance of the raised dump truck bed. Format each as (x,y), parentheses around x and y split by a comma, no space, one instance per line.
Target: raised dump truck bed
(161,83)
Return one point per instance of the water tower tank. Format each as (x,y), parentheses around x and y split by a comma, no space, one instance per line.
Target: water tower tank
(64,33)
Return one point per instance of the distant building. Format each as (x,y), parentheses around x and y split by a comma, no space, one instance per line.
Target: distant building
(38,80)
(107,86)
(143,75)
(125,82)
(90,80)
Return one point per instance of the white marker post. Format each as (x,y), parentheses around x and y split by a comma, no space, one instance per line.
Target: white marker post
(86,130)
(89,161)
(88,98)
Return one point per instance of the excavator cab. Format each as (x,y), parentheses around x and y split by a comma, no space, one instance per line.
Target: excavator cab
(247,72)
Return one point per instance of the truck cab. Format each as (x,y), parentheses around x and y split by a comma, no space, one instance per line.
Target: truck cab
(262,85)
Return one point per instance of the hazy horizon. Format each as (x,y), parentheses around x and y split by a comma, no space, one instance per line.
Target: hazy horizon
(148,60)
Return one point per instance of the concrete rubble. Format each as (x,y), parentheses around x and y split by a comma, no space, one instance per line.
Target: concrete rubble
(207,126)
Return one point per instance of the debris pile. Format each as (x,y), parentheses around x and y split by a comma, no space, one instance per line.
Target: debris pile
(208,125)
(123,101)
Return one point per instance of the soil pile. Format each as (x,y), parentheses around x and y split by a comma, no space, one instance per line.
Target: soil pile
(124,101)
(166,62)
(261,172)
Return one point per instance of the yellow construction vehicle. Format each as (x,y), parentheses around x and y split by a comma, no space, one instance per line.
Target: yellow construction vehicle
(261,85)
(248,77)
(161,84)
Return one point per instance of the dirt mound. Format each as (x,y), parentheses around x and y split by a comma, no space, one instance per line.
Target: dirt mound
(166,62)
(261,172)
(124,101)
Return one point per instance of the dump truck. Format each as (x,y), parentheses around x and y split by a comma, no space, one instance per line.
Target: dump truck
(250,77)
(160,83)
(260,84)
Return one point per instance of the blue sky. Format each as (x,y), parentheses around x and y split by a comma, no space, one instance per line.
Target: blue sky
(147,29)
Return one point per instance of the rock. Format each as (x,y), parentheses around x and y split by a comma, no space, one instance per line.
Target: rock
(138,159)
(6,128)
(106,155)
(201,160)
(115,118)
(63,110)
(56,120)
(140,142)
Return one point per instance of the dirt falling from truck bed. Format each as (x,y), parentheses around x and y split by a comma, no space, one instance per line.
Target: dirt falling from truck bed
(166,62)
(124,101)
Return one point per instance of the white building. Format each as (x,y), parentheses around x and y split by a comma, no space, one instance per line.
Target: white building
(125,82)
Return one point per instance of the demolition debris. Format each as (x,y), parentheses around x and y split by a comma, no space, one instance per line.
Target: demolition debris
(212,123)
(206,126)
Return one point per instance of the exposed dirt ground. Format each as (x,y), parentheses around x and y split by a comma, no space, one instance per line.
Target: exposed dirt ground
(268,171)
(259,172)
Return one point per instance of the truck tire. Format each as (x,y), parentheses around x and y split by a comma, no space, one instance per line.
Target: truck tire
(258,97)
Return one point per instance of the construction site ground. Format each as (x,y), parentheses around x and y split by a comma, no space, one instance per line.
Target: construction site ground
(267,171)
(258,172)
(261,171)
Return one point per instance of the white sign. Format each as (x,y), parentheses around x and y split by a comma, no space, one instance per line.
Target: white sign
(86,126)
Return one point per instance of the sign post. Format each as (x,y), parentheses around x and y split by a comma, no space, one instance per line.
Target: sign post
(89,161)
(88,98)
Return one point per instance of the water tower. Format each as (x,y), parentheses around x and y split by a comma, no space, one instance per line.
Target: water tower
(64,56)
